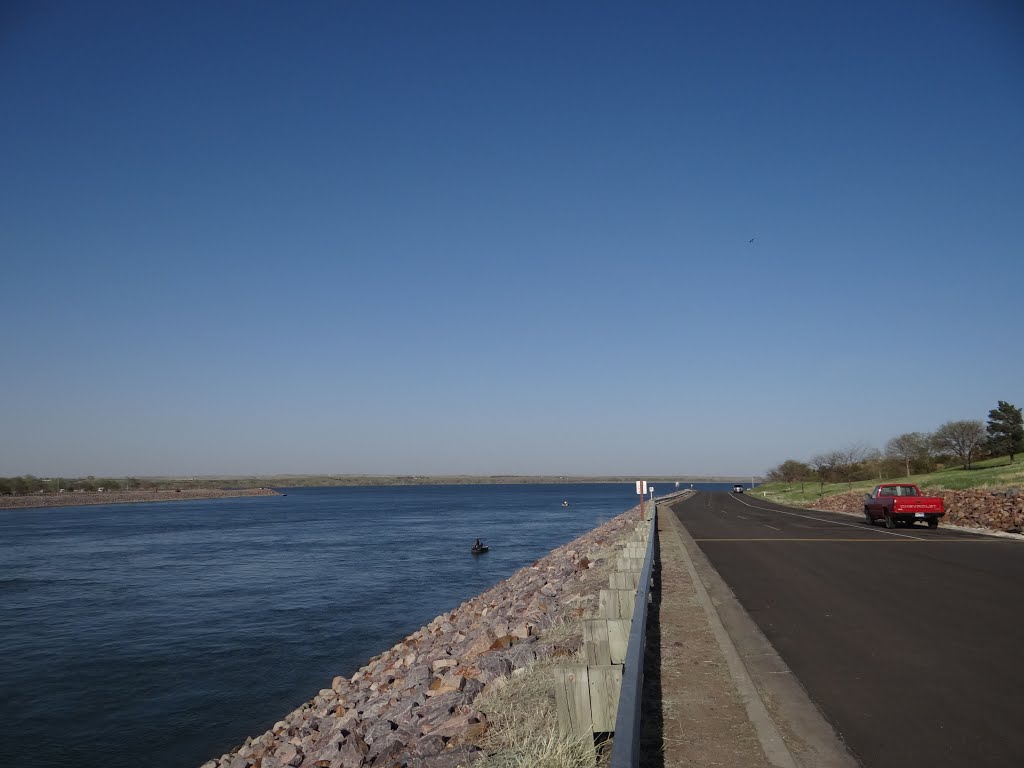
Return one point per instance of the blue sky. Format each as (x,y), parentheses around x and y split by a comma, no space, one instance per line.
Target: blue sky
(385,237)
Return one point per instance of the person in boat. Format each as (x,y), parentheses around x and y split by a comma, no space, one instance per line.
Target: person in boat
(478,545)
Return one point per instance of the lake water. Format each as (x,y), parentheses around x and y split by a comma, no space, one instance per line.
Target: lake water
(163,634)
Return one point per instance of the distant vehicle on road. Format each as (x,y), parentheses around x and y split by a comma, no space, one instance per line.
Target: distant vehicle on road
(902,503)
(737,488)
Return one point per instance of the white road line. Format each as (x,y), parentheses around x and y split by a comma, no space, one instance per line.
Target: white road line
(771,526)
(858,526)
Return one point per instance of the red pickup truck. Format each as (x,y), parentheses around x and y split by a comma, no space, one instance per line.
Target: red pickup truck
(902,502)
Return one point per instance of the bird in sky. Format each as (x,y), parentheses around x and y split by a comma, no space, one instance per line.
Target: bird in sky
(751,239)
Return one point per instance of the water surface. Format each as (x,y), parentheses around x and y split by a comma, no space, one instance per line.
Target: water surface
(163,634)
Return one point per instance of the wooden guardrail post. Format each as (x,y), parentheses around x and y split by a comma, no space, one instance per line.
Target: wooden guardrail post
(624,563)
(587,698)
(616,603)
(623,580)
(572,696)
(605,687)
(605,641)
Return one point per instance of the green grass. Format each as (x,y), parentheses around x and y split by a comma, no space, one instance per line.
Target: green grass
(990,473)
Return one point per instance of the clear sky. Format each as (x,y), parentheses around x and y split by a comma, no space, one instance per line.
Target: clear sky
(509,237)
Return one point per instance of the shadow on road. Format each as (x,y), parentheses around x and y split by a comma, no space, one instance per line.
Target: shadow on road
(651,719)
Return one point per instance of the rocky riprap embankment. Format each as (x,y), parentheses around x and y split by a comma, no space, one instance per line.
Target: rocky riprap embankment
(415,705)
(1001,510)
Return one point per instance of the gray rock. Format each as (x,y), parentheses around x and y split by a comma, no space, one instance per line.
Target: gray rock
(289,754)
(440,707)
(417,675)
(494,665)
(353,751)
(460,756)
(377,729)
(429,745)
(372,709)
(390,746)
(472,689)
(403,711)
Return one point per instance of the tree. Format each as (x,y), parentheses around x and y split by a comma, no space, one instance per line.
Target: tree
(962,438)
(825,466)
(874,465)
(909,447)
(1005,429)
(791,471)
(848,462)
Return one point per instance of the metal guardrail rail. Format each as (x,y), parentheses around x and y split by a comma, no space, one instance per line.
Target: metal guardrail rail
(626,747)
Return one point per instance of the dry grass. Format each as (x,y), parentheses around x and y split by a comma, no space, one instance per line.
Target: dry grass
(524,729)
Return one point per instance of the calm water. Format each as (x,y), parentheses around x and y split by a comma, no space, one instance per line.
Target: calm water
(164,634)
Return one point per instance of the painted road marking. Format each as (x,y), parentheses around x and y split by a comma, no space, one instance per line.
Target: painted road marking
(910,540)
(858,526)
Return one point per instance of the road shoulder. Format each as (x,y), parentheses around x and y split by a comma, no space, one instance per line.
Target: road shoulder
(790,729)
(696,717)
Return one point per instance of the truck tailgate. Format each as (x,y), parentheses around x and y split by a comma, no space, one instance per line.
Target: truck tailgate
(921,504)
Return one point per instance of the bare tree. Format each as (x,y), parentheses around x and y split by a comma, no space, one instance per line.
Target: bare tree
(910,446)
(849,460)
(962,438)
(825,466)
(792,471)
(873,464)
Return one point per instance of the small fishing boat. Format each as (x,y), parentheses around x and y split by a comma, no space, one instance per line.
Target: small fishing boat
(479,549)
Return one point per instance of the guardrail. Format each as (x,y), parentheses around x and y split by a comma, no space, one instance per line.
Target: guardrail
(626,747)
(603,696)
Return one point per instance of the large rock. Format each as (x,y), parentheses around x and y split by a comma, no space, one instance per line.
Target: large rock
(352,753)
(289,754)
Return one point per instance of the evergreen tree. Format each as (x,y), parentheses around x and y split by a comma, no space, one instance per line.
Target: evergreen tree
(1005,429)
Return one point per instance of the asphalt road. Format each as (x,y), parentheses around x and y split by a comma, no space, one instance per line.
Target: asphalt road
(910,641)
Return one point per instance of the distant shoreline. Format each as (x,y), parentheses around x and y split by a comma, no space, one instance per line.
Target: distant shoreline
(314,481)
(40,500)
(234,487)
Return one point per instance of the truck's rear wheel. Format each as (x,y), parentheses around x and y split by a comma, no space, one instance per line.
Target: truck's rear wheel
(933,522)
(890,521)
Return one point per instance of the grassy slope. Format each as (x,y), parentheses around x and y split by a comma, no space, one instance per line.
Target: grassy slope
(991,473)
